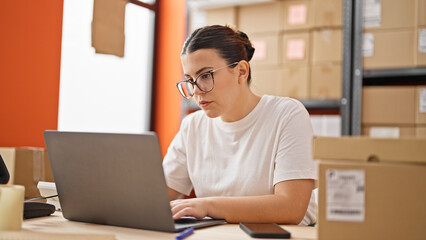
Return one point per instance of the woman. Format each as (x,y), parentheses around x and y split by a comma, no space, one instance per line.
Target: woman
(248,158)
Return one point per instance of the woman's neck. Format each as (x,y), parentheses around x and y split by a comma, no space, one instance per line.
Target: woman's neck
(244,105)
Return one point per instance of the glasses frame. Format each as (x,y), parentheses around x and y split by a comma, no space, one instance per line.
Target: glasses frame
(196,80)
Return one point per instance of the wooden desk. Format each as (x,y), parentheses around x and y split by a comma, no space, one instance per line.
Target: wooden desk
(57,224)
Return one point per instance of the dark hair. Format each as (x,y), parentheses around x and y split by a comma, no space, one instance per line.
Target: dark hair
(232,45)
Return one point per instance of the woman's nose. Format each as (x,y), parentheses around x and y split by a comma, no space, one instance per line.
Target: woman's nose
(197,90)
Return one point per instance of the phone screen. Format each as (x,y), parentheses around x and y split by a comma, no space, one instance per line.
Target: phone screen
(264,230)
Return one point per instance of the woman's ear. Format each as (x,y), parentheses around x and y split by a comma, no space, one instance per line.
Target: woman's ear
(243,72)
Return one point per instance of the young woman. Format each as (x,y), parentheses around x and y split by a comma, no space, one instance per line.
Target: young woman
(248,158)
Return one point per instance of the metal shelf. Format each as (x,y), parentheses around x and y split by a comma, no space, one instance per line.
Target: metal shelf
(395,72)
(353,27)
(322,104)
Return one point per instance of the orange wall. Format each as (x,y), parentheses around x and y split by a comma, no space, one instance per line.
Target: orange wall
(167,103)
(30,50)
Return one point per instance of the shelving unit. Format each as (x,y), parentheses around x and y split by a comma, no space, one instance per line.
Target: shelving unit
(355,77)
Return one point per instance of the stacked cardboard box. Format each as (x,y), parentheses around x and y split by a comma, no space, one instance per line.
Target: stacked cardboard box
(371,188)
(296,48)
(264,33)
(222,16)
(389,34)
(294,40)
(326,70)
(394,111)
(27,166)
(421,34)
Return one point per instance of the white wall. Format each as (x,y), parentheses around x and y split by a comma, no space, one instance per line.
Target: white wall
(105,93)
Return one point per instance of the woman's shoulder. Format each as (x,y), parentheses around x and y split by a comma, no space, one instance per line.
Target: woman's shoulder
(194,118)
(283,104)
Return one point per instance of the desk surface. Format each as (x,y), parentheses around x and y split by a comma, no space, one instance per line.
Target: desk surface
(57,224)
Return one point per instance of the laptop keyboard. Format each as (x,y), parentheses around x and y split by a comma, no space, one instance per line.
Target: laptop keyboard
(189,220)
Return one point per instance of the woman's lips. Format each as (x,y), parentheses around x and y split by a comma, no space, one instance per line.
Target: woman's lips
(204,104)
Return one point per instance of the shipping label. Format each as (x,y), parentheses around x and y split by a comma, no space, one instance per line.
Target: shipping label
(384,132)
(422,103)
(368,45)
(372,13)
(422,40)
(345,195)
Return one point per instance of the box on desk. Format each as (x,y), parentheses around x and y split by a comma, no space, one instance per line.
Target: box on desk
(371,188)
(27,166)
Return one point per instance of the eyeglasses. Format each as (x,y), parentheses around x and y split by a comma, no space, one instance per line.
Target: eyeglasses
(204,82)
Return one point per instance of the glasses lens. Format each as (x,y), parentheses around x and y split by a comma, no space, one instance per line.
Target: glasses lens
(205,82)
(186,89)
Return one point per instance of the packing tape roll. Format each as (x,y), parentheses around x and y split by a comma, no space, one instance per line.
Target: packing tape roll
(11,207)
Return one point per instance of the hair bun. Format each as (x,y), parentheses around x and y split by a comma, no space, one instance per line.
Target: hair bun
(249,48)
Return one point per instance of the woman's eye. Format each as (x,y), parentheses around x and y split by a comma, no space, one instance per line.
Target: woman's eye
(205,76)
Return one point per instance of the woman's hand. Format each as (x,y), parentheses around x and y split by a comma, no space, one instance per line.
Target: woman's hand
(196,207)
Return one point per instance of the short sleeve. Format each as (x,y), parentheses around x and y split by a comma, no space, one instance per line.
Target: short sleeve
(175,163)
(294,155)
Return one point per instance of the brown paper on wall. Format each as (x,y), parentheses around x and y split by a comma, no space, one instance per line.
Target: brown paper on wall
(108,26)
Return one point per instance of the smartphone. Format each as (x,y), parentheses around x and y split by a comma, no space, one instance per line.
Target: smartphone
(265,230)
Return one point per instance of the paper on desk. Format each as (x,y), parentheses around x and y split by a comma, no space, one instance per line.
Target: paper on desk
(19,235)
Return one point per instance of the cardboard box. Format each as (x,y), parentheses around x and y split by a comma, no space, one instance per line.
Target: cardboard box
(296,48)
(389,49)
(294,81)
(267,49)
(328,13)
(27,166)
(326,81)
(394,105)
(260,18)
(421,132)
(327,45)
(389,14)
(420,48)
(421,12)
(388,105)
(265,81)
(298,15)
(371,188)
(222,16)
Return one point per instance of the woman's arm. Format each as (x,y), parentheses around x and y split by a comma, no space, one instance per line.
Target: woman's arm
(287,205)
(173,194)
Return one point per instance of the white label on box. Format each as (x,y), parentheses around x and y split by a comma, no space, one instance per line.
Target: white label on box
(296,49)
(422,40)
(368,45)
(422,103)
(372,13)
(261,48)
(345,195)
(384,132)
(297,14)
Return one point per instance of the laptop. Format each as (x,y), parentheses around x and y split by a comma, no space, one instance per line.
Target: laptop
(114,179)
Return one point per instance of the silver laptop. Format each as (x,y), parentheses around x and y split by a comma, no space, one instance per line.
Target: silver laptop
(114,179)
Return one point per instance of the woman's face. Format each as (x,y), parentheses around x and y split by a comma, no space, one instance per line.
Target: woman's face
(220,102)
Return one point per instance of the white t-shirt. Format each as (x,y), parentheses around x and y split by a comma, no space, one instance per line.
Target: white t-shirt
(244,158)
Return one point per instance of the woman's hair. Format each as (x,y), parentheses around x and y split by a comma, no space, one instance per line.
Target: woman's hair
(232,45)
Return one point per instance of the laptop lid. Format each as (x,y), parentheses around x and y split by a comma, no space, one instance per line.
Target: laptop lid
(113,179)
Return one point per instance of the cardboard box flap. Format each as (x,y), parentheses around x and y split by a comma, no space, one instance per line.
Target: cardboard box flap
(412,150)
